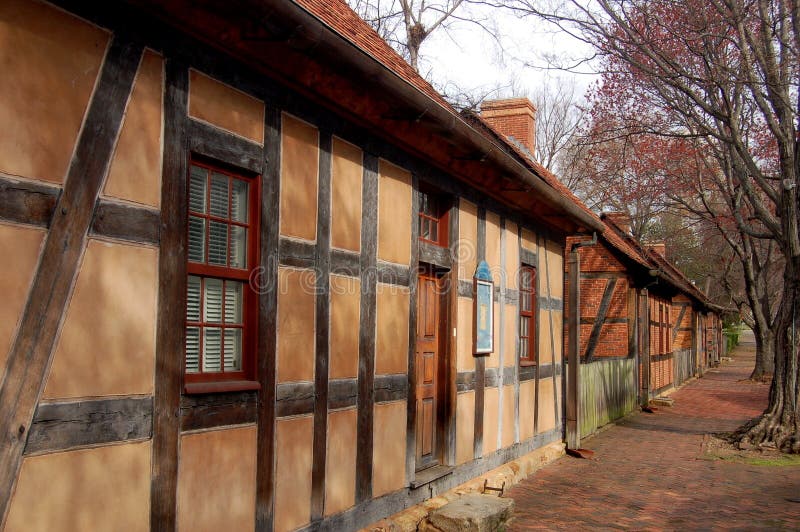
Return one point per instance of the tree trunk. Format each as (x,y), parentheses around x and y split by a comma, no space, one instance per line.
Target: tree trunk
(779,425)
(765,351)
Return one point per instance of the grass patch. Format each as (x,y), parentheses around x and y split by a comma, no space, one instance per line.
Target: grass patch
(715,448)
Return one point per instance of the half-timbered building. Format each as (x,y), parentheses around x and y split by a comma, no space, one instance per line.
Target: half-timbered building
(260,275)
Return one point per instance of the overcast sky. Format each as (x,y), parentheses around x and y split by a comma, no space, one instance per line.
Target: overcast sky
(467,57)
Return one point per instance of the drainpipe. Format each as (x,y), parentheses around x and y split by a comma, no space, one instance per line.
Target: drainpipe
(574,355)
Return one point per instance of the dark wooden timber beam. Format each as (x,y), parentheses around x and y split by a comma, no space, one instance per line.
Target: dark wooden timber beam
(61,426)
(268,322)
(322,267)
(367,321)
(31,352)
(480,362)
(171,295)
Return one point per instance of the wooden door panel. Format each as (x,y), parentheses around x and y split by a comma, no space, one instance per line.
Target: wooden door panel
(427,370)
(427,426)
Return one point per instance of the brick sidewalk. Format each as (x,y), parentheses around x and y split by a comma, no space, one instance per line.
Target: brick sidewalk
(648,472)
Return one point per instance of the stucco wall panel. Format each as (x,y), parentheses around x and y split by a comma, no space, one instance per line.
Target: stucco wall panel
(345,313)
(510,336)
(107,343)
(340,477)
(346,184)
(555,269)
(389,448)
(293,475)
(465,427)
(507,432)
(223,106)
(464,359)
(527,402)
(394,214)
(44,52)
(512,256)
(24,244)
(391,349)
(296,325)
(135,172)
(217,480)
(467,239)
(81,490)
(529,240)
(490,420)
(493,246)
(299,172)
(546,405)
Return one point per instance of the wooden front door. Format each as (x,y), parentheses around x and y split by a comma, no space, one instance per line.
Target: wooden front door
(428,365)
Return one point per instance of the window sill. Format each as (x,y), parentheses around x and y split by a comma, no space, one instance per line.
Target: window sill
(220,386)
(426,476)
(527,362)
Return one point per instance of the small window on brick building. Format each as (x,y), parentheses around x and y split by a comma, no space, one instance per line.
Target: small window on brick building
(220,304)
(527,315)
(433,209)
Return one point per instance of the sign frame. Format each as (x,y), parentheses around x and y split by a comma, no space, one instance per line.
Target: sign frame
(482,311)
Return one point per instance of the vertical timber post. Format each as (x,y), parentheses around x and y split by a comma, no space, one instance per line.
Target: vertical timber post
(645,347)
(573,357)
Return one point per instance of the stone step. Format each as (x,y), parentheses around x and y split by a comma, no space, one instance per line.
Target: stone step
(662,401)
(472,512)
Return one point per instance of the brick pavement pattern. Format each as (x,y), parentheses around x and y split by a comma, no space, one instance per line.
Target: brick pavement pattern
(648,471)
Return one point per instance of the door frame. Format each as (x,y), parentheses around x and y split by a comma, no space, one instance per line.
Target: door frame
(444,374)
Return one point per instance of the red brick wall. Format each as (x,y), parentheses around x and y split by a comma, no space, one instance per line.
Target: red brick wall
(514,117)
(613,338)
(683,339)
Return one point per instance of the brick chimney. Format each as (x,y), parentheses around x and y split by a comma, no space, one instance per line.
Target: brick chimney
(658,248)
(515,118)
(621,220)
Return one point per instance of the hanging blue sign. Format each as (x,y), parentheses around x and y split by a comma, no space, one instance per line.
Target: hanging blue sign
(483,310)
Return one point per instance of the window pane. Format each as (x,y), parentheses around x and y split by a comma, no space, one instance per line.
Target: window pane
(239,201)
(434,231)
(423,203)
(525,279)
(218,244)
(424,228)
(238,247)
(197,189)
(212,311)
(525,299)
(523,326)
(197,239)
(233,302)
(212,349)
(193,298)
(523,348)
(192,349)
(233,349)
(219,195)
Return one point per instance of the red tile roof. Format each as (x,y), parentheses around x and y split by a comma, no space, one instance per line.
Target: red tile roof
(338,16)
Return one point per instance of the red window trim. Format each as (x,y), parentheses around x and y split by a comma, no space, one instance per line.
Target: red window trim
(442,229)
(244,379)
(530,360)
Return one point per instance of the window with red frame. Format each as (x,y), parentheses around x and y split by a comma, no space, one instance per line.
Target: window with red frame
(432,219)
(527,315)
(222,252)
